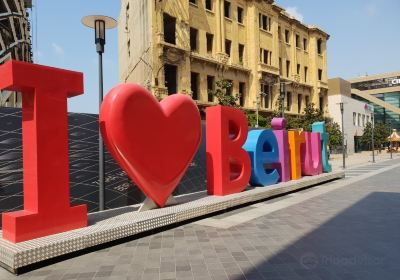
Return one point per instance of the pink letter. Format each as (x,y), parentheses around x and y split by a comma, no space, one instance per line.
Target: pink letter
(311,163)
(279,128)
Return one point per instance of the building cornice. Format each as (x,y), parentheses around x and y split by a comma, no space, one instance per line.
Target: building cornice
(374,77)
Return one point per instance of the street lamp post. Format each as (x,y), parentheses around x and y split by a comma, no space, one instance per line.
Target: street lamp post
(257,108)
(390,143)
(258,103)
(372,140)
(100,24)
(343,145)
(283,93)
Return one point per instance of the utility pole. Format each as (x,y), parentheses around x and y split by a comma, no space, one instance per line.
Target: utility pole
(390,145)
(283,93)
(343,145)
(373,141)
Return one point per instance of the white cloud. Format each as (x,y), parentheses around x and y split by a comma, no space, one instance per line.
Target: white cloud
(371,9)
(57,49)
(293,11)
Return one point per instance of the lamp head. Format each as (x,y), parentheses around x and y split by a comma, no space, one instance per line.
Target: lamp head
(99,24)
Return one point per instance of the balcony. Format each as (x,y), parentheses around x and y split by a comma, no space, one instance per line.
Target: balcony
(262,67)
(322,84)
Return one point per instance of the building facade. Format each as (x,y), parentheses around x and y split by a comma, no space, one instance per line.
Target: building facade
(383,92)
(356,114)
(186,46)
(15,41)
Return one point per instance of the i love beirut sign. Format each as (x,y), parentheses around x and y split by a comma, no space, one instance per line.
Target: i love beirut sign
(154,142)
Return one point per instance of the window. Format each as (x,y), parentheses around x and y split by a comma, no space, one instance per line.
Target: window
(210,88)
(305,44)
(169,29)
(264,22)
(242,92)
(209,5)
(129,47)
(229,90)
(321,103)
(279,33)
(227,9)
(359,120)
(265,56)
(367,119)
(265,96)
(287,36)
(240,13)
(289,101)
(210,42)
(241,53)
(126,17)
(193,39)
(280,66)
(354,118)
(319,74)
(194,85)
(287,68)
(363,120)
(171,81)
(298,69)
(297,41)
(307,100)
(299,103)
(193,2)
(319,46)
(228,44)
(305,73)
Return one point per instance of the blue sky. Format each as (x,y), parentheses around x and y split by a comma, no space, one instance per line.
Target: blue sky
(364,38)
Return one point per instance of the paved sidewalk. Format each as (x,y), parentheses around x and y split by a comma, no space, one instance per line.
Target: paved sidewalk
(358,159)
(347,229)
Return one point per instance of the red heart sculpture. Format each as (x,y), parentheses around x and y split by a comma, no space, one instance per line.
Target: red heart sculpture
(153,142)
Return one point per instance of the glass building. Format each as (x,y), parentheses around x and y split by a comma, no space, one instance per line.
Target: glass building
(383,92)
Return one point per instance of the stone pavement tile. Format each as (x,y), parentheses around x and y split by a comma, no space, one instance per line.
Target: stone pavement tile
(53,277)
(184,274)
(103,274)
(167,275)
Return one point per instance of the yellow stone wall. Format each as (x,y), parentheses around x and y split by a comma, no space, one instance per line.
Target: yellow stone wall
(141,23)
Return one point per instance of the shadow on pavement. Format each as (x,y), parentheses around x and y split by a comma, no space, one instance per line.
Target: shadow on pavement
(362,242)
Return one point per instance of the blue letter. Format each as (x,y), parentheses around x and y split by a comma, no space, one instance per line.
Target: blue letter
(262,147)
(320,127)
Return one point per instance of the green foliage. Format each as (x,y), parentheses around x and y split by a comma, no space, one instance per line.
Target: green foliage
(264,122)
(311,115)
(335,134)
(223,96)
(381,133)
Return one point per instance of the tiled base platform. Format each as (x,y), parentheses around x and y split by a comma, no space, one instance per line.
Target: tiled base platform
(124,222)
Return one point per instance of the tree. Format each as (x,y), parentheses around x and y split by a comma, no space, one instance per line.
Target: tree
(223,96)
(381,133)
(264,122)
(335,134)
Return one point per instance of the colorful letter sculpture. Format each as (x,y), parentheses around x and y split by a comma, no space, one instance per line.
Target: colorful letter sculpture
(262,147)
(153,142)
(47,207)
(311,154)
(296,139)
(228,165)
(320,127)
(283,166)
